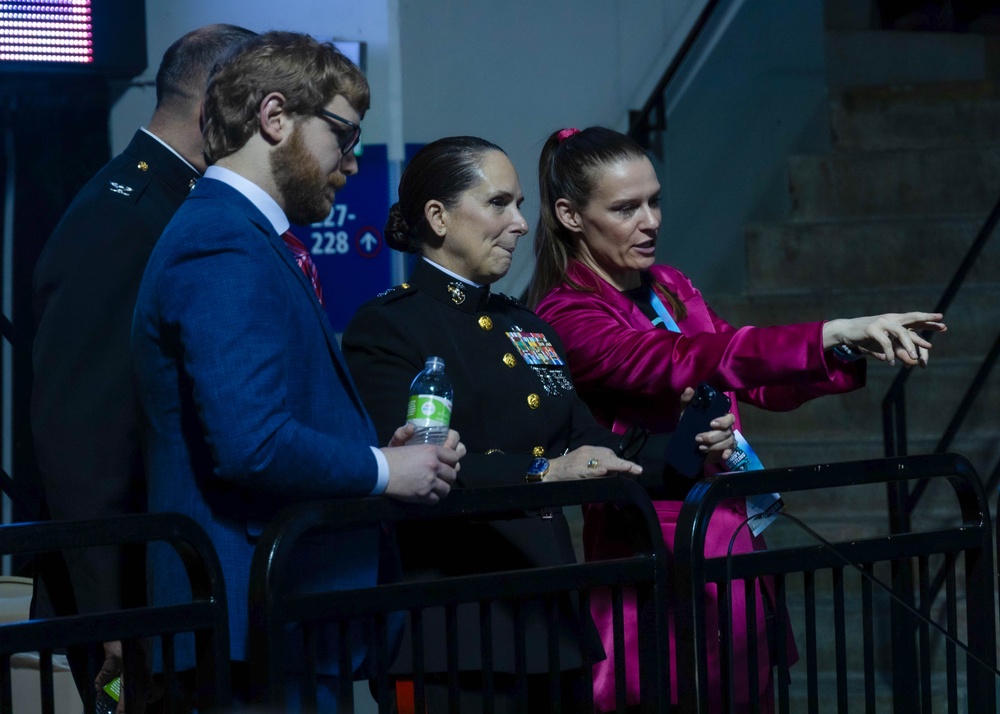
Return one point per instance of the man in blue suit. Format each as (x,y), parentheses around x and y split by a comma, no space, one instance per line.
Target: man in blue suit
(247,403)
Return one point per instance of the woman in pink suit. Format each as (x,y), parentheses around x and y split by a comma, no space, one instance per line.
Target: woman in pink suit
(637,333)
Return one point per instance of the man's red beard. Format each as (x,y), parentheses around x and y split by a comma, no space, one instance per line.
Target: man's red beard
(306,193)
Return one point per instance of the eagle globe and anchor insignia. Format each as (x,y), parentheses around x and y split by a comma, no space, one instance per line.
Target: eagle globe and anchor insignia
(456,292)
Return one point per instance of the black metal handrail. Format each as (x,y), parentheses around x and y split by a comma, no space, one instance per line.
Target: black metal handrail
(902,500)
(973,539)
(653,115)
(894,402)
(206,615)
(272,608)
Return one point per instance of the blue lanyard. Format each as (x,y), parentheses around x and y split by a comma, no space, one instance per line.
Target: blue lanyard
(661,310)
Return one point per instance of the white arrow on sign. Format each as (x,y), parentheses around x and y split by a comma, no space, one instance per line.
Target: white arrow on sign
(368,242)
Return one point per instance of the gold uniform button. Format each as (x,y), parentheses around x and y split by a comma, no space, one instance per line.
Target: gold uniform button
(143,166)
(538,452)
(534,401)
(486,323)
(509,360)
(405,286)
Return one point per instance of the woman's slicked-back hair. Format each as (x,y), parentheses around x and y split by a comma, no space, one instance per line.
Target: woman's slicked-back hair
(441,171)
(307,72)
(569,167)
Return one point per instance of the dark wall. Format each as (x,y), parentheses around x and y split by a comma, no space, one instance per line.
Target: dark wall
(56,137)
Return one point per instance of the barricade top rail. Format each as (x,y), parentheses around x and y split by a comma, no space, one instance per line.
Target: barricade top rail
(183,533)
(953,468)
(287,527)
(208,607)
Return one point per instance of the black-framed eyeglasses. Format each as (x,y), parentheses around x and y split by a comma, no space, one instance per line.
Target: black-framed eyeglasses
(348,144)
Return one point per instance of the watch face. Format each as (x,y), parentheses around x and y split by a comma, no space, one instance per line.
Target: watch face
(539,466)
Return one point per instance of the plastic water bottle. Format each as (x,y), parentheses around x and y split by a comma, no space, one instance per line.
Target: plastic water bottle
(107,698)
(429,408)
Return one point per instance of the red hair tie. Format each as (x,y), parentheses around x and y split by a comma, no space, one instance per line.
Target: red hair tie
(566,133)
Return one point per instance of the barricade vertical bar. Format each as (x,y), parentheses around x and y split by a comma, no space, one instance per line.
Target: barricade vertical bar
(169,672)
(980,580)
(309,684)
(381,648)
(781,626)
(45,681)
(89,694)
(345,667)
(419,681)
(904,662)
(951,600)
(812,677)
(724,613)
(750,609)
(520,654)
(651,675)
(451,647)
(868,630)
(618,635)
(660,603)
(586,664)
(486,653)
(6,694)
(555,679)
(840,632)
(924,634)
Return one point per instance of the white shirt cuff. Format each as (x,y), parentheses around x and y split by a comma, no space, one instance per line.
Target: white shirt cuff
(383,472)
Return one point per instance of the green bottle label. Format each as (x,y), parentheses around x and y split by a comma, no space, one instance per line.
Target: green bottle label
(114,688)
(428,410)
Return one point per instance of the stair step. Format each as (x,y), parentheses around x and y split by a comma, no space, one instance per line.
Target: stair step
(934,395)
(872,57)
(971,318)
(777,452)
(909,251)
(931,116)
(855,184)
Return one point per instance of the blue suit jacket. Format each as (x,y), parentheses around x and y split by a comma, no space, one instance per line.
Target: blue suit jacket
(247,403)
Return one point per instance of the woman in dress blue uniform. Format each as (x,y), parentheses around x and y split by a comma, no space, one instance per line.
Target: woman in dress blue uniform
(515,404)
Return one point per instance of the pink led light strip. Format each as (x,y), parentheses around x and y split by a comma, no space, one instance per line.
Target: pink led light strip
(50,31)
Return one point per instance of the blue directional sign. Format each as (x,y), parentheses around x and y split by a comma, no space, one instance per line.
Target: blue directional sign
(353,261)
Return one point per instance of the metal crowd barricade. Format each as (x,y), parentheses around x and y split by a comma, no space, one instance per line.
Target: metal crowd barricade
(206,616)
(272,608)
(861,680)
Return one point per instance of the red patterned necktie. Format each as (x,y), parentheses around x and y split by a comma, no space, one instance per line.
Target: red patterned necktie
(305,262)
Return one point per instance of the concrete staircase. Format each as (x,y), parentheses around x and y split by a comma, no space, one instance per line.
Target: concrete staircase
(877,224)
(880,223)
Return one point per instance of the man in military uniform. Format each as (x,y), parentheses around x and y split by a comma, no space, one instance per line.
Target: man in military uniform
(83,406)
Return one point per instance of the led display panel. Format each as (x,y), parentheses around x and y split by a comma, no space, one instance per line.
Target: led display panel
(101,36)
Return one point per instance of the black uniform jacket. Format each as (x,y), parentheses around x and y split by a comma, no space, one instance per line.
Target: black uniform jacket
(83,404)
(514,400)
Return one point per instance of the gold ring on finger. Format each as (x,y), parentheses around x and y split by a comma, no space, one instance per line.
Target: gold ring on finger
(593,464)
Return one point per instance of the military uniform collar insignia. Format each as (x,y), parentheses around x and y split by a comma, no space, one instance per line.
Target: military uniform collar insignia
(456,290)
(449,290)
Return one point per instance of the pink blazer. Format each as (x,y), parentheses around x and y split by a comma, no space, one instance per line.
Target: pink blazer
(626,369)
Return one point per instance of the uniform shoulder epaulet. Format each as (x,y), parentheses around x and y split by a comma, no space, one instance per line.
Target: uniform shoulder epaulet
(128,182)
(510,299)
(395,292)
